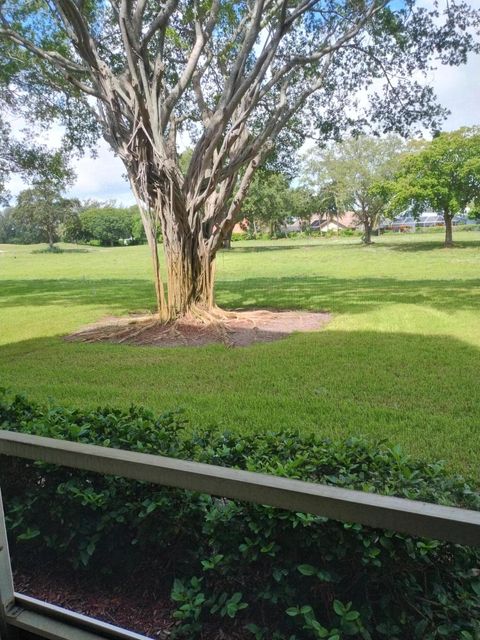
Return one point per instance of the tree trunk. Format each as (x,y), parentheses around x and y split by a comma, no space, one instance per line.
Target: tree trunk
(189,257)
(367,236)
(448,230)
(190,279)
(190,269)
(227,241)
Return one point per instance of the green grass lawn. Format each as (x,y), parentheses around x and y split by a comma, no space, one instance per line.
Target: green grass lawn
(399,360)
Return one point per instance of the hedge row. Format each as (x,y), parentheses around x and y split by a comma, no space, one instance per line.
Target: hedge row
(246,570)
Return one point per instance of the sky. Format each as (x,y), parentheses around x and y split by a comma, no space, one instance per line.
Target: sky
(102,177)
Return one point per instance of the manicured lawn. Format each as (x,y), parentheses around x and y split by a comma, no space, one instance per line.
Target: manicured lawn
(400,359)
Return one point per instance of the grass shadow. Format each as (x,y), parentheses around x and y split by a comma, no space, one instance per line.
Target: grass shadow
(321,293)
(119,294)
(415,247)
(341,295)
(58,250)
(265,248)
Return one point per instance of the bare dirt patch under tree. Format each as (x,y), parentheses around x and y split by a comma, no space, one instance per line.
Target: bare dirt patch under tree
(234,329)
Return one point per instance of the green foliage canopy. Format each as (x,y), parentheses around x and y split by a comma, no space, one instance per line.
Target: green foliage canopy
(304,203)
(271,201)
(107,224)
(20,151)
(350,170)
(41,210)
(268,201)
(442,175)
(34,162)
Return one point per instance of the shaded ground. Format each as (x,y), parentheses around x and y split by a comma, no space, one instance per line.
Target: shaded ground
(140,603)
(237,329)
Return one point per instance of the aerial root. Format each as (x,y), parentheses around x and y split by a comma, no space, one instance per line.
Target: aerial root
(202,320)
(202,325)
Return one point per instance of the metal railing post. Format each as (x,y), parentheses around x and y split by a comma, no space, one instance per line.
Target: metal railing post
(7,595)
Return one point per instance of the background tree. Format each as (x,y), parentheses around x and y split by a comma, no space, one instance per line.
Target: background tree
(303,204)
(34,162)
(7,226)
(138,230)
(18,229)
(311,178)
(442,176)
(20,153)
(268,202)
(232,75)
(107,224)
(350,170)
(42,208)
(71,229)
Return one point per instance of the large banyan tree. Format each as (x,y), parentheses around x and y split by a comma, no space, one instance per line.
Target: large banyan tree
(226,78)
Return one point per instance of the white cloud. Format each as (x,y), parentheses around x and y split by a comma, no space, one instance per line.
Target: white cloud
(102,177)
(458,89)
(99,178)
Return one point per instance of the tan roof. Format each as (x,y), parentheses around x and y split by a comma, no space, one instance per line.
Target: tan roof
(348,219)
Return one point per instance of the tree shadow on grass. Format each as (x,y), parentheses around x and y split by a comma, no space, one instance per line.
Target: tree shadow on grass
(268,248)
(119,294)
(431,245)
(340,295)
(319,293)
(58,250)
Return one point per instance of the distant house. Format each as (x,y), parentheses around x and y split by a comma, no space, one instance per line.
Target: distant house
(241,227)
(293,225)
(406,222)
(430,219)
(341,222)
(333,225)
(320,222)
(403,223)
(349,220)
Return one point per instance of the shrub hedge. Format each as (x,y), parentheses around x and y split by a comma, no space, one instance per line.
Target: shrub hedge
(247,570)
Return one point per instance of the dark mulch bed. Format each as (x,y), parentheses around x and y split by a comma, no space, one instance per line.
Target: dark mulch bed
(131,604)
(139,603)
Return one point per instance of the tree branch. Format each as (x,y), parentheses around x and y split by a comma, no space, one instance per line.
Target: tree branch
(159,23)
(202,37)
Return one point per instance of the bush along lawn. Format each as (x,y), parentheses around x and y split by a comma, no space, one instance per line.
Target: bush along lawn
(245,570)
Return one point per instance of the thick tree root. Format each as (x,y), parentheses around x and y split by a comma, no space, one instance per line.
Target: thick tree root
(203,326)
